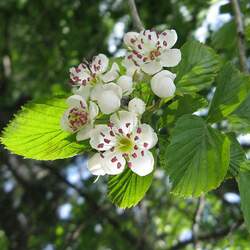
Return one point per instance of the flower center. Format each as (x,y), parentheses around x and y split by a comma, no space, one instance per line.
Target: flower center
(77,117)
(125,145)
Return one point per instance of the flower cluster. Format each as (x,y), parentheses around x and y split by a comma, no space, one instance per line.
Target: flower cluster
(99,88)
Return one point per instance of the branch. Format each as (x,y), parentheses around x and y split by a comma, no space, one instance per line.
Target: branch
(197,219)
(135,15)
(240,35)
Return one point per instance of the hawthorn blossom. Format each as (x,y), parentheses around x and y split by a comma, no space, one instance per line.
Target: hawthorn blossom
(150,51)
(95,81)
(137,106)
(79,117)
(162,84)
(123,142)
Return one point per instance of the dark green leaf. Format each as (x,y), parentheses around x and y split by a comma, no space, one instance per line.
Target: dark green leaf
(232,89)
(197,157)
(198,67)
(243,182)
(237,156)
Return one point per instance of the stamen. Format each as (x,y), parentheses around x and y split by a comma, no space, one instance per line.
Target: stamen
(102,134)
(139,130)
(128,124)
(120,131)
(114,159)
(134,155)
(130,164)
(107,141)
(111,133)
(145,144)
(101,145)
(135,147)
(142,153)
(136,138)
(119,164)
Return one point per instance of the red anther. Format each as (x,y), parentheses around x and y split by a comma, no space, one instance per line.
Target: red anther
(134,155)
(106,140)
(139,46)
(165,43)
(101,145)
(164,33)
(114,159)
(130,56)
(127,124)
(139,130)
(130,164)
(120,131)
(119,164)
(135,147)
(111,133)
(145,144)
(112,149)
(102,134)
(136,138)
(142,153)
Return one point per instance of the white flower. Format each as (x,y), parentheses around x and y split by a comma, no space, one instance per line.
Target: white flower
(150,51)
(162,84)
(123,141)
(79,117)
(94,72)
(137,105)
(95,81)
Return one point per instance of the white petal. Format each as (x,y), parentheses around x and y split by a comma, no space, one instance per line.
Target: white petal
(96,92)
(130,38)
(127,121)
(113,87)
(93,110)
(151,68)
(131,68)
(170,36)
(170,57)
(113,163)
(64,122)
(137,105)
(109,102)
(112,74)
(142,164)
(76,101)
(100,61)
(94,165)
(126,83)
(162,85)
(83,91)
(101,139)
(84,133)
(147,137)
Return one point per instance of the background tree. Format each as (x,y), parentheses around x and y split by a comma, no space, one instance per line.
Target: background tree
(55,205)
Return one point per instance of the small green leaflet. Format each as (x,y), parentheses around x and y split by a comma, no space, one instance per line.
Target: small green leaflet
(243,183)
(197,69)
(197,157)
(232,89)
(127,189)
(35,132)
